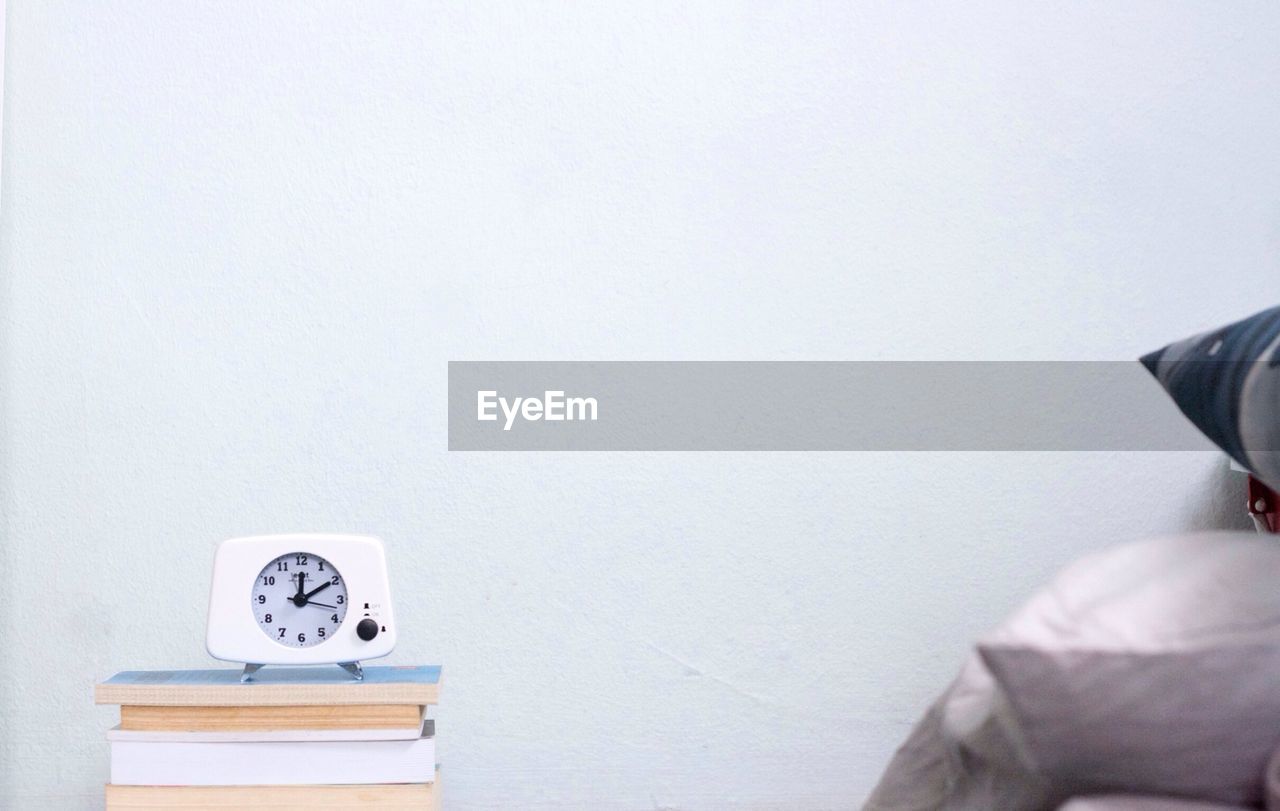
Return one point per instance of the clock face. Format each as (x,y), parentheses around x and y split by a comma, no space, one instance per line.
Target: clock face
(299,600)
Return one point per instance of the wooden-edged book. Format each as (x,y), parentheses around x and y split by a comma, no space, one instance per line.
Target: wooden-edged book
(395,797)
(380,720)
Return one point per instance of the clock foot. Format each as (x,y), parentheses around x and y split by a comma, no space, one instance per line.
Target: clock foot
(354,669)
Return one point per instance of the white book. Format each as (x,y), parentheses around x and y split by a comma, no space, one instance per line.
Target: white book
(142,759)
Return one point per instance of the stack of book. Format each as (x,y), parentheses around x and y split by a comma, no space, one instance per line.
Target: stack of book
(293,738)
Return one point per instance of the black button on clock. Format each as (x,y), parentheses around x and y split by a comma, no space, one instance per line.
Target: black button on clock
(367,629)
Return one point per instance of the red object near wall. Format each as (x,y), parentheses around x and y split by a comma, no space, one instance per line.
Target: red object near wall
(1264,506)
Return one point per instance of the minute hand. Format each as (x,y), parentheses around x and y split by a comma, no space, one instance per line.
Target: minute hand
(326,584)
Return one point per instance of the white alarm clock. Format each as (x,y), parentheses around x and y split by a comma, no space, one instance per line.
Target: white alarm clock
(301,599)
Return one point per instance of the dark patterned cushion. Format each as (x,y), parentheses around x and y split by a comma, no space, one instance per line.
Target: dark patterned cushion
(1227,381)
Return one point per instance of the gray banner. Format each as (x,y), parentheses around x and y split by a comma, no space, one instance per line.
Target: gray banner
(812,406)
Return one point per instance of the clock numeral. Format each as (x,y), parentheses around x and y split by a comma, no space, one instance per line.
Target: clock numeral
(281,566)
(334,580)
(320,632)
(301,560)
(269,580)
(282,630)
(334,618)
(321,564)
(262,598)
(341,599)
(267,619)
(302,637)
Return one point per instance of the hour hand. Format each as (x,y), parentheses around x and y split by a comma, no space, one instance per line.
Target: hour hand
(326,584)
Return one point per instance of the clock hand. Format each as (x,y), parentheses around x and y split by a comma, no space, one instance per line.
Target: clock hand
(318,589)
(300,599)
(322,605)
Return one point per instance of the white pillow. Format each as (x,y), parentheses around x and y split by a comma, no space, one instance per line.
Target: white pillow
(1127,802)
(1151,668)
(962,756)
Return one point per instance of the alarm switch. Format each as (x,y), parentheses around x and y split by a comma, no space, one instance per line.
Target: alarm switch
(367,629)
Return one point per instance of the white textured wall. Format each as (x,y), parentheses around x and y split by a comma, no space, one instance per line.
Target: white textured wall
(240,241)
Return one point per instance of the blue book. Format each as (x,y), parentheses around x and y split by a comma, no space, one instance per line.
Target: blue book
(272,686)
